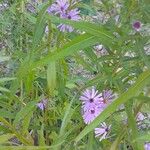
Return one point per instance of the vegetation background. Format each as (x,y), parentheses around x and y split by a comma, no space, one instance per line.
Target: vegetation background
(38,62)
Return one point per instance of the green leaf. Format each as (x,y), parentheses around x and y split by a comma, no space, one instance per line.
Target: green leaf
(80,42)
(7,114)
(2,89)
(91,139)
(40,26)
(140,49)
(31,18)
(115,144)
(132,126)
(66,118)
(41,137)
(143,79)
(100,31)
(5,137)
(24,112)
(98,78)
(11,128)
(4,58)
(51,77)
(26,122)
(93,29)
(143,137)
(6,79)
(26,147)
(84,63)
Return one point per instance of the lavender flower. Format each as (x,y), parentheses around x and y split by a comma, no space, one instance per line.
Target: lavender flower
(71,15)
(136,25)
(147,146)
(93,103)
(62,9)
(102,131)
(90,97)
(42,105)
(90,114)
(59,7)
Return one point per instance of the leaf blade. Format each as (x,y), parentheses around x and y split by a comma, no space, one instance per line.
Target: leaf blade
(75,45)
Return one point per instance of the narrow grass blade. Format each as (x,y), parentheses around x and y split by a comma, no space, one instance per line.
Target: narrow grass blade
(51,77)
(81,42)
(6,79)
(93,29)
(24,112)
(5,137)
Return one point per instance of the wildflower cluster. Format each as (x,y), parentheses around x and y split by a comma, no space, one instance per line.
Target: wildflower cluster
(63,8)
(93,103)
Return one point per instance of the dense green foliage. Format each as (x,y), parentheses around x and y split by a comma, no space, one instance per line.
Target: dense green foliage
(57,66)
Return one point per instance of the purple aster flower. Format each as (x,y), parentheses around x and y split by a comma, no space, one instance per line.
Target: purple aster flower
(42,105)
(59,7)
(90,97)
(71,15)
(91,104)
(102,131)
(91,113)
(107,97)
(136,25)
(62,9)
(147,146)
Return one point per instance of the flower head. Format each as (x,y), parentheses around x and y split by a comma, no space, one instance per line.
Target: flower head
(90,114)
(102,131)
(71,15)
(59,7)
(136,25)
(147,146)
(91,96)
(62,9)
(93,103)
(42,105)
